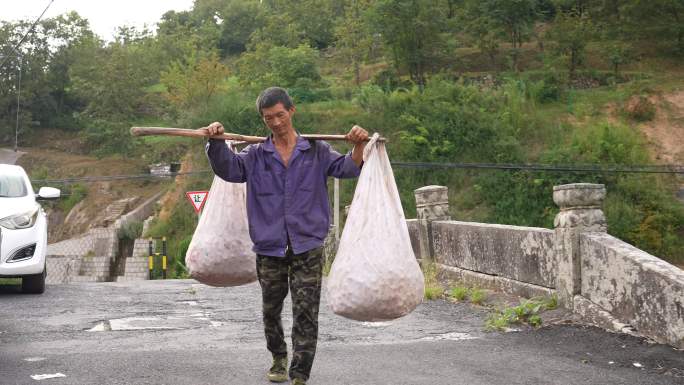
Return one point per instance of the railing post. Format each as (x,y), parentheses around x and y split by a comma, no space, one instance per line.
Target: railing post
(432,204)
(164,258)
(150,260)
(580,211)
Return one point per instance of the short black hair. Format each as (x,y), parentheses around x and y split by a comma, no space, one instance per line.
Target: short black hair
(272,96)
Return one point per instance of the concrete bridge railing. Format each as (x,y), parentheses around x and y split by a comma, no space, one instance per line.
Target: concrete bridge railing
(602,278)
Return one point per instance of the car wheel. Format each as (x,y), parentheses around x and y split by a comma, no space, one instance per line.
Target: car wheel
(34,284)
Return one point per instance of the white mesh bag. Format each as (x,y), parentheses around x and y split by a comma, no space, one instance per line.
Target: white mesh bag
(220,253)
(375,275)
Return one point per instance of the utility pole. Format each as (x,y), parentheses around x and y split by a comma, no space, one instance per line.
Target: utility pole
(16,127)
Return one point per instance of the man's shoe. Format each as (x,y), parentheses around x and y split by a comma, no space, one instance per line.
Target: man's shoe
(278,372)
(298,381)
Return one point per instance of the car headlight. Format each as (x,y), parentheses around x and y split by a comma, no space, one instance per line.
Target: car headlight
(21,221)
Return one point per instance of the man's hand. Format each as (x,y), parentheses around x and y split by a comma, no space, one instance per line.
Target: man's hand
(215,128)
(357,135)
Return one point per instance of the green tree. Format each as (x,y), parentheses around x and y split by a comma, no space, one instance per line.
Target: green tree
(618,53)
(412,30)
(112,81)
(237,21)
(180,33)
(275,65)
(313,20)
(484,30)
(192,83)
(571,32)
(279,29)
(67,32)
(515,18)
(42,63)
(661,20)
(353,35)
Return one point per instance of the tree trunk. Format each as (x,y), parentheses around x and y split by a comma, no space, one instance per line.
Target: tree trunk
(573,61)
(514,56)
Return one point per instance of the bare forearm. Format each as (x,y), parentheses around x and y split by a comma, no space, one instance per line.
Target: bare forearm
(357,154)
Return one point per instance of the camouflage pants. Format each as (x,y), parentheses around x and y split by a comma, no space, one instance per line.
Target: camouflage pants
(302,274)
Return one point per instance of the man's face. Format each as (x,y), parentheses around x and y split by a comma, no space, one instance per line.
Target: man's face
(278,119)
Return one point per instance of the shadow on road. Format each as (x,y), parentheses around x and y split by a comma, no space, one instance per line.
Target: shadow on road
(10,289)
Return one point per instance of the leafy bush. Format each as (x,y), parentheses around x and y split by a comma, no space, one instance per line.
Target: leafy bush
(550,88)
(387,79)
(74,193)
(130,230)
(639,208)
(442,120)
(529,312)
(106,137)
(183,245)
(305,91)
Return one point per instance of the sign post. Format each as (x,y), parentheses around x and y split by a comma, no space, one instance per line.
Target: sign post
(197,199)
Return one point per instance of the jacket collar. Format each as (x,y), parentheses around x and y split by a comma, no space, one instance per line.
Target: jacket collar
(302,144)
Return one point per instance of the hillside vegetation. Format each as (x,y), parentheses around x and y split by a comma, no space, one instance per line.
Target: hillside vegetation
(566,82)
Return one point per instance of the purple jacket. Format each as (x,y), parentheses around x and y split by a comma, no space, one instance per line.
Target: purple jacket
(282,201)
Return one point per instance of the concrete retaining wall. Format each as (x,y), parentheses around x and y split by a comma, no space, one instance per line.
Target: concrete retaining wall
(62,269)
(523,254)
(635,287)
(94,250)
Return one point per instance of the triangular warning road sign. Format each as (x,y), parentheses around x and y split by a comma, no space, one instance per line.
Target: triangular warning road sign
(197,198)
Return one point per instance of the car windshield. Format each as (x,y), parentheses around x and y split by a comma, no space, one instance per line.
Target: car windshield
(12,186)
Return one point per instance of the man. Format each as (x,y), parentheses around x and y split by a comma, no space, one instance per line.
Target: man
(289,216)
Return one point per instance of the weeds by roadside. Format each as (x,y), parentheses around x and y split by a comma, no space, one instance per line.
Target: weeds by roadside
(475,295)
(433,289)
(528,312)
(459,293)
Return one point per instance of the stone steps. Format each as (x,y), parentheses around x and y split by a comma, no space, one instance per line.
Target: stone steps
(136,270)
(116,210)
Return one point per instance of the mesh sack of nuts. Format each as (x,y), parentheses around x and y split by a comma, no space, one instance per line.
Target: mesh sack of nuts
(375,275)
(220,253)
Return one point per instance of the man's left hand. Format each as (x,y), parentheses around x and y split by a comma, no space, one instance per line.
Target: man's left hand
(357,135)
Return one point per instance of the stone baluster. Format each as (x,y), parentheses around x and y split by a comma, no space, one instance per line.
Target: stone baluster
(432,204)
(580,211)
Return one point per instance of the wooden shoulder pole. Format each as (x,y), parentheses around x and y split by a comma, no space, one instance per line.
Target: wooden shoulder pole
(204,133)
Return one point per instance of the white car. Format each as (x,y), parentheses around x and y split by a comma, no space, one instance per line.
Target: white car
(23,229)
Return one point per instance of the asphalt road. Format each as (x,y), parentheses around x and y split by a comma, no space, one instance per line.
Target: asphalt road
(8,156)
(181,332)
